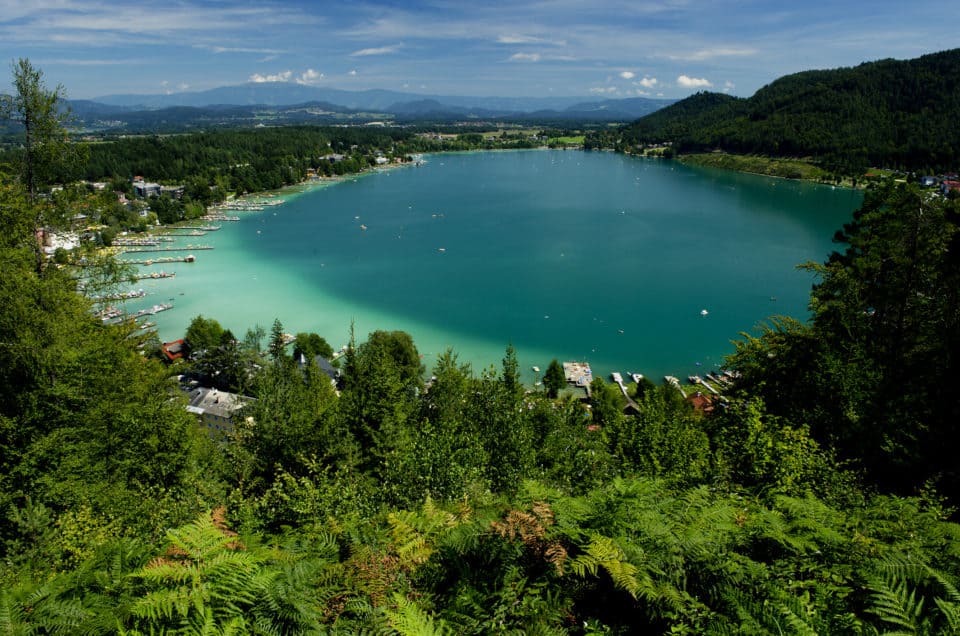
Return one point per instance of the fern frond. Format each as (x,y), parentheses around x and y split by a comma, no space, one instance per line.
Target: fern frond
(603,552)
(410,620)
(895,603)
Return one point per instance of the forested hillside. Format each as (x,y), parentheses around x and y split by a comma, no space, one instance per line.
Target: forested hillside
(266,158)
(820,499)
(890,113)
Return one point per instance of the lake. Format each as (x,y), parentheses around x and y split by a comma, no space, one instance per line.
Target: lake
(634,265)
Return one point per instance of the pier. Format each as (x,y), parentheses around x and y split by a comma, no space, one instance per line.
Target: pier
(112,315)
(579,374)
(137,293)
(155,275)
(673,381)
(696,379)
(623,389)
(190,233)
(185,248)
(189,258)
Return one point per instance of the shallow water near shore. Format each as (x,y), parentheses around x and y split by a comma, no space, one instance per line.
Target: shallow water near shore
(565,254)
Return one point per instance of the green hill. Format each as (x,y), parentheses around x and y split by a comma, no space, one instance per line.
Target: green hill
(898,114)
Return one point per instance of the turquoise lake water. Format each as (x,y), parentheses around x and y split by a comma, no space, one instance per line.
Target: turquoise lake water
(565,254)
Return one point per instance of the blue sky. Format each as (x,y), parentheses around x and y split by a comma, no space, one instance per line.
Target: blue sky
(609,48)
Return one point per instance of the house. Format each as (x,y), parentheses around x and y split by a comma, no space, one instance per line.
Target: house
(324,365)
(173,350)
(144,189)
(701,402)
(215,408)
(174,192)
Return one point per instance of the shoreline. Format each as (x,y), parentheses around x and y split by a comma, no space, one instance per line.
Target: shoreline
(740,161)
(292,192)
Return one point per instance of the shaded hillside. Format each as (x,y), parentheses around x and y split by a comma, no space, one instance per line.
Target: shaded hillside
(900,114)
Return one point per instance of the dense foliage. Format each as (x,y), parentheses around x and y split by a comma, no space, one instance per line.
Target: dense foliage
(897,114)
(870,374)
(470,505)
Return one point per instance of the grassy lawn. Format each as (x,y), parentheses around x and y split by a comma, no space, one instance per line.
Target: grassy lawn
(567,141)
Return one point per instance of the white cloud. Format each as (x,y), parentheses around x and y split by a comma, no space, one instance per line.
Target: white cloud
(283,76)
(603,90)
(709,54)
(528,39)
(182,86)
(728,86)
(352,72)
(628,74)
(233,49)
(525,57)
(309,77)
(693,82)
(380,50)
(648,82)
(519,39)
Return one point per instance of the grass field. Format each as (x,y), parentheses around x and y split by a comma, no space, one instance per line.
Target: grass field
(770,166)
(567,141)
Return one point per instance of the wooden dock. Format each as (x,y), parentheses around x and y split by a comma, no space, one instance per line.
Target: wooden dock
(696,379)
(673,381)
(578,374)
(623,389)
(155,275)
(189,258)
(148,250)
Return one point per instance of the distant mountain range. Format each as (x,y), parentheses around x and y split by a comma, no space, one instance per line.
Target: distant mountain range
(288,94)
(893,113)
(278,103)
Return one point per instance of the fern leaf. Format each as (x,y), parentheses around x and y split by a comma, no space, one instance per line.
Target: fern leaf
(894,603)
(410,620)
